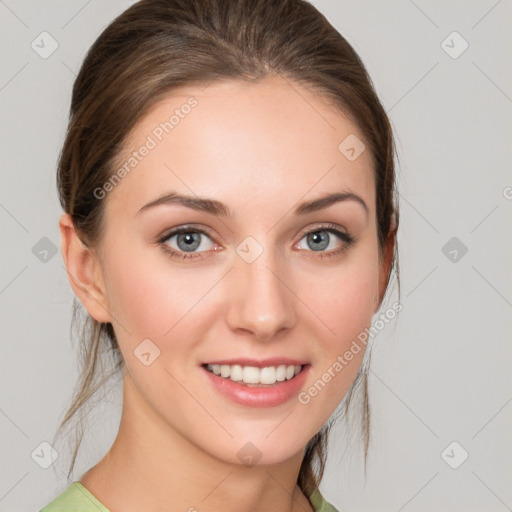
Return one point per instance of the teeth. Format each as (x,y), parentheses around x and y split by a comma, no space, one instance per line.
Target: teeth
(253,375)
(235,372)
(267,375)
(281,373)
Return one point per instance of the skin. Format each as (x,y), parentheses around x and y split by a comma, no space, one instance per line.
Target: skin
(261,148)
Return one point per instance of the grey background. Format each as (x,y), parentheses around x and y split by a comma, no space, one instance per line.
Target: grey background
(440,374)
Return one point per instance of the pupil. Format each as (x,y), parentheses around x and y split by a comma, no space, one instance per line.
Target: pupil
(191,240)
(318,238)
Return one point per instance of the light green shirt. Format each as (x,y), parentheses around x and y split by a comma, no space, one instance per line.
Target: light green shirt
(76,498)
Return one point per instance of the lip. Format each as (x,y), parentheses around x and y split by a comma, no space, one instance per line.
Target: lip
(260,363)
(255,396)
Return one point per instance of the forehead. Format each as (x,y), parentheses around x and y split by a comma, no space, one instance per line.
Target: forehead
(239,140)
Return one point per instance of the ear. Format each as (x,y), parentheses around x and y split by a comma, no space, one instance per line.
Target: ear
(385,265)
(84,271)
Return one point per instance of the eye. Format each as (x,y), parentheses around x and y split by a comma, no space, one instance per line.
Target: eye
(184,242)
(323,238)
(187,242)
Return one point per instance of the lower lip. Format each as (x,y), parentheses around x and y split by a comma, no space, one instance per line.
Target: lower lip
(271,396)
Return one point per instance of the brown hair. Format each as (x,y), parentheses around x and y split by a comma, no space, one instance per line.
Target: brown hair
(156,46)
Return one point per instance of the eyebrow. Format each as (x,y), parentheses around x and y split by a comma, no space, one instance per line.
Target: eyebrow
(221,210)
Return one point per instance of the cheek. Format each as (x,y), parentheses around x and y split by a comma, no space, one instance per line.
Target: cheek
(352,306)
(145,299)
(344,304)
(153,299)
(343,298)
(346,315)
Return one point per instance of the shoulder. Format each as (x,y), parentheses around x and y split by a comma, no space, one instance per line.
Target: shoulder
(76,498)
(319,503)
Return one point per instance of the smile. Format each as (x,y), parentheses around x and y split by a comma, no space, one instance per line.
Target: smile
(254,376)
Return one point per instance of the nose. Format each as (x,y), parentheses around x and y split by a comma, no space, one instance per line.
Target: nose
(262,302)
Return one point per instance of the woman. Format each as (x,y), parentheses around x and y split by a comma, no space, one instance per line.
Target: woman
(230,222)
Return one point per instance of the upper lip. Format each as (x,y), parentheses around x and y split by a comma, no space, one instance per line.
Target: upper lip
(260,363)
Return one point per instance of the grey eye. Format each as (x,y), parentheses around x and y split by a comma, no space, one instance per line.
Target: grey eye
(318,240)
(188,240)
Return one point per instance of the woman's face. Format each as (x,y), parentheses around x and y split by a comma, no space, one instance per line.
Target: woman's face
(263,280)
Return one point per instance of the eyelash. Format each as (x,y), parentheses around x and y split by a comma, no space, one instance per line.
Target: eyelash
(330,228)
